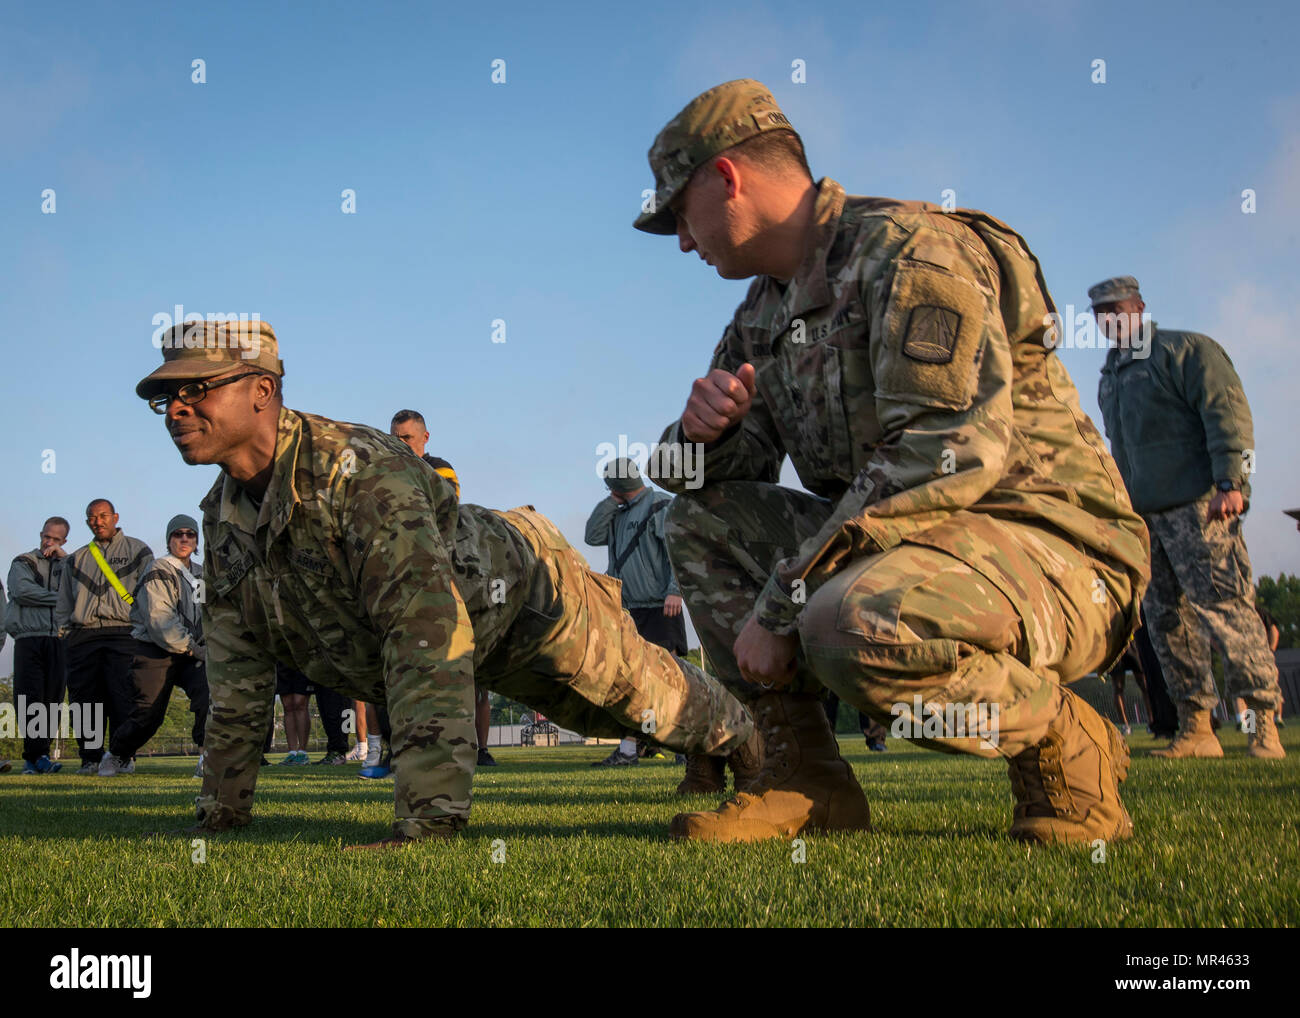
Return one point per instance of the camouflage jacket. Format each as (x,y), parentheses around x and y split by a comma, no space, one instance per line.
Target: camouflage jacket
(360,569)
(167,609)
(1177,419)
(904,371)
(87,601)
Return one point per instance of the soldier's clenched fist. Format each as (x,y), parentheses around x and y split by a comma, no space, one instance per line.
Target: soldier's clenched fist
(718,403)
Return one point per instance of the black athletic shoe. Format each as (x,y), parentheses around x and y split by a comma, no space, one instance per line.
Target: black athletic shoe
(618,759)
(485,758)
(876,745)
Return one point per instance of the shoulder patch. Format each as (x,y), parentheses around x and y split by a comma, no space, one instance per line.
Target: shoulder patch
(931,334)
(934,323)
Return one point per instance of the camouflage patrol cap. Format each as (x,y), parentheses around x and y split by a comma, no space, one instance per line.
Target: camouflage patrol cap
(195,350)
(1111,291)
(711,123)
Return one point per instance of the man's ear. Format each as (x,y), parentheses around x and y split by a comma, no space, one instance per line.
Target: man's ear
(265,389)
(730,174)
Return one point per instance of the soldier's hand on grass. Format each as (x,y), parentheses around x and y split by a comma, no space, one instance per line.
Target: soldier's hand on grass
(763,657)
(672,606)
(718,403)
(1225,505)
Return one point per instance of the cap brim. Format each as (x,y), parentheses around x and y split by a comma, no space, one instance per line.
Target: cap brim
(181,369)
(662,222)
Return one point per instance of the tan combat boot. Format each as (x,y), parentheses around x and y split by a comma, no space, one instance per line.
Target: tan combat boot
(804,784)
(1195,736)
(704,774)
(1067,785)
(746,763)
(1263,741)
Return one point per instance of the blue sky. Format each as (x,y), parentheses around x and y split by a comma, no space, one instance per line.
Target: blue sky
(478,201)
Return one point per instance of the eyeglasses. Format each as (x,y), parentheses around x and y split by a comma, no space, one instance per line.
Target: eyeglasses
(185,533)
(193,392)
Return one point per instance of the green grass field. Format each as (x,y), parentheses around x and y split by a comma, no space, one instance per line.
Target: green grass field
(1216,845)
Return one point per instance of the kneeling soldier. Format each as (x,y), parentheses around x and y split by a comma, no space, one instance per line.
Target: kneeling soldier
(333,549)
(968,548)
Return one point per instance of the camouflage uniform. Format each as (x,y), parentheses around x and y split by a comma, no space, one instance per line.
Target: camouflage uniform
(362,570)
(1201,588)
(968,538)
(1178,421)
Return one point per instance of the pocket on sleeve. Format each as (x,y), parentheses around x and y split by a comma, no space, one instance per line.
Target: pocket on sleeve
(933,328)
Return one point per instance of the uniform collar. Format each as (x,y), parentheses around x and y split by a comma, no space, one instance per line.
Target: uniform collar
(809,288)
(238,511)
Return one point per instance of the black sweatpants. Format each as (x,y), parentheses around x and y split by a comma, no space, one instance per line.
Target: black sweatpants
(99,675)
(331,706)
(40,677)
(154,674)
(667,631)
(1164,715)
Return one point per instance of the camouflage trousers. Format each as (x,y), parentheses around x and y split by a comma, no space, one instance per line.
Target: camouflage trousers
(1201,590)
(962,649)
(574,655)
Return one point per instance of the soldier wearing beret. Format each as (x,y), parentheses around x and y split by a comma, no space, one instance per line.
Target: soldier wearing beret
(966,548)
(1181,431)
(332,548)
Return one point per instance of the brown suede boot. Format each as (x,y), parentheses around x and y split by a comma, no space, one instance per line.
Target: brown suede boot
(704,775)
(1263,741)
(1067,785)
(746,763)
(804,784)
(1195,736)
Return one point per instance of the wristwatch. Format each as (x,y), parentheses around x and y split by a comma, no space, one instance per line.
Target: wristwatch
(1227,486)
